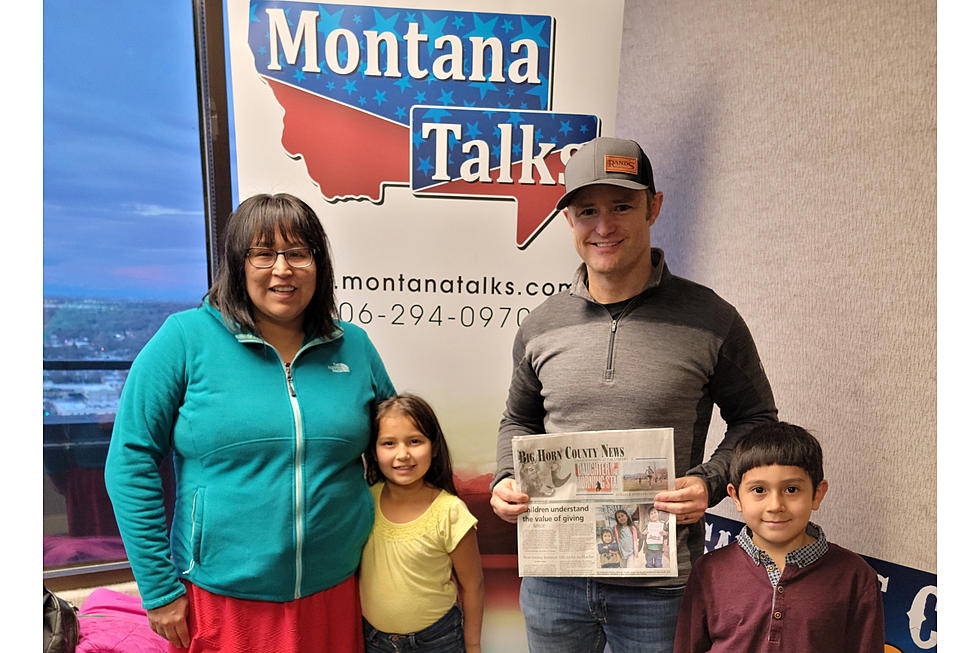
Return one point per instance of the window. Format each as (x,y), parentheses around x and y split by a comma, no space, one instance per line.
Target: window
(124,236)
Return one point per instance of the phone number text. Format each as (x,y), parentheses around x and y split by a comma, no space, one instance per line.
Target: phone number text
(417,314)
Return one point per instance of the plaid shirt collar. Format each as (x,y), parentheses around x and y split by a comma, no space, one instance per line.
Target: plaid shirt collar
(805,555)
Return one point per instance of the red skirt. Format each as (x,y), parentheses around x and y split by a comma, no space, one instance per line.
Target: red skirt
(325,622)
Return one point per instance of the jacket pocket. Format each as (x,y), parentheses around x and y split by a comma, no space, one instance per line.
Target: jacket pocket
(197,528)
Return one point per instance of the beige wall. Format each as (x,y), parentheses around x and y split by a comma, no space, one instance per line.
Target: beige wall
(795,143)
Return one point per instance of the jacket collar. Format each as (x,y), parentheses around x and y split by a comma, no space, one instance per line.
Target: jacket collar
(245,337)
(659,275)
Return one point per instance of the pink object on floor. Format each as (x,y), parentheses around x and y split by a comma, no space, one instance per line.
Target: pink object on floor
(65,550)
(111,622)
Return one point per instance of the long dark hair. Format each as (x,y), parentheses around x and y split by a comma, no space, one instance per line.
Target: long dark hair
(440,472)
(258,219)
(629,520)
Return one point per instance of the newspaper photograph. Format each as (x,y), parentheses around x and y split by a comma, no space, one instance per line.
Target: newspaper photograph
(591,507)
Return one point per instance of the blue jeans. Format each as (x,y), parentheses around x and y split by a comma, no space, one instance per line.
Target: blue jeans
(579,615)
(444,636)
(655,558)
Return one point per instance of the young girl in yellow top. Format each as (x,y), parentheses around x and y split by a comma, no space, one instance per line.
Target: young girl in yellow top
(423,537)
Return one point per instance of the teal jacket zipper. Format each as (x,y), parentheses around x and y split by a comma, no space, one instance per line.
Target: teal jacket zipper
(298,440)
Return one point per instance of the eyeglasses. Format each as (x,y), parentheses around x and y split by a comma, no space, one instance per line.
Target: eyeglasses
(265,257)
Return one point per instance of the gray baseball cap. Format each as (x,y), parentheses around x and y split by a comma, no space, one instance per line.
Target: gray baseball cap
(606,160)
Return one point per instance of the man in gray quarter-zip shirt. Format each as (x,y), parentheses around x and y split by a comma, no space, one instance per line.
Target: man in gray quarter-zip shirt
(628,346)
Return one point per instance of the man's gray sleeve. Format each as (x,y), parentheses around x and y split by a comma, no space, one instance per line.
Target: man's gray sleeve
(524,413)
(741,390)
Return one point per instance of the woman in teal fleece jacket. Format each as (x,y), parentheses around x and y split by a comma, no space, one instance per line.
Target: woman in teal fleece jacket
(265,401)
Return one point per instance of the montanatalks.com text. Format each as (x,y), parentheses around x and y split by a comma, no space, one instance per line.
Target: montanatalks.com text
(490,286)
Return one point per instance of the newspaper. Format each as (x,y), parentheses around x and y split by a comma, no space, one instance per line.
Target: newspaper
(591,510)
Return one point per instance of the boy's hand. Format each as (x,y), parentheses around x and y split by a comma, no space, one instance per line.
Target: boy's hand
(688,500)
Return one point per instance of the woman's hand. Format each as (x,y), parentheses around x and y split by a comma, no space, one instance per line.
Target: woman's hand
(170,621)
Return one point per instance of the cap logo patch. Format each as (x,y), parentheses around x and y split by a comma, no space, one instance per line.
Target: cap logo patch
(625,164)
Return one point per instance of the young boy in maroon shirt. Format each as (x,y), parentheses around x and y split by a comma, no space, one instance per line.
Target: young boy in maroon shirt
(780,586)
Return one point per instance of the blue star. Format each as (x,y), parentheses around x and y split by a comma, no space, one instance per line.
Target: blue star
(357,18)
(382,24)
(481,28)
(400,112)
(532,32)
(298,75)
(469,103)
(350,86)
(473,130)
(424,166)
(510,92)
(542,92)
(565,127)
(458,22)
(496,151)
(420,97)
(432,27)
(508,26)
(362,100)
(330,86)
(515,118)
(404,82)
(436,114)
(446,97)
(328,22)
(484,87)
(252,18)
(379,97)
(410,18)
(417,139)
(584,129)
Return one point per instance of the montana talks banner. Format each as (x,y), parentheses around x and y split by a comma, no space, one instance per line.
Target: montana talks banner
(431,138)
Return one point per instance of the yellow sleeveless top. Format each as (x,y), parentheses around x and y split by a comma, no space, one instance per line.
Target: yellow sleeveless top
(405,577)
